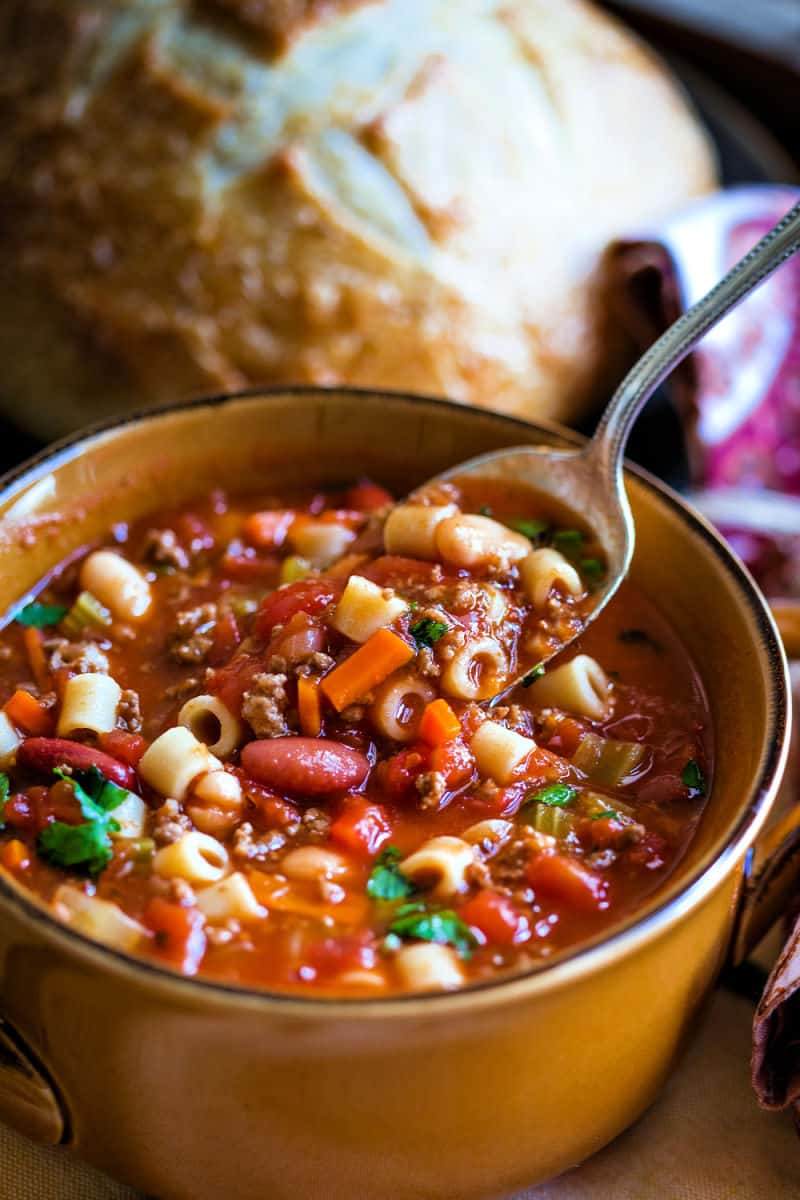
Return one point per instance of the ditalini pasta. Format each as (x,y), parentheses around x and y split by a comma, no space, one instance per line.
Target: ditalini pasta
(263,739)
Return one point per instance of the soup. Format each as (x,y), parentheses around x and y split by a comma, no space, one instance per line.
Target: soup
(250,739)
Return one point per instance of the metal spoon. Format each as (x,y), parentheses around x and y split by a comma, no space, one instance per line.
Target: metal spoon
(589,481)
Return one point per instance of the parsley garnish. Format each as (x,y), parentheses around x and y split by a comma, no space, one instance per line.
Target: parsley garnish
(607,812)
(442,927)
(484,511)
(87,845)
(386,882)
(4,788)
(41,615)
(529,528)
(568,541)
(555,795)
(592,568)
(692,778)
(427,631)
(531,676)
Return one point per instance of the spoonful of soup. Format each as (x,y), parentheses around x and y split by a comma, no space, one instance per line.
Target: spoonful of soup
(554,524)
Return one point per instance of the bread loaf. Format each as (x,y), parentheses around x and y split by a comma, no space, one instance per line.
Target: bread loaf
(201,195)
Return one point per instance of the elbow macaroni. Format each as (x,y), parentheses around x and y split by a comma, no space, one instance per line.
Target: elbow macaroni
(99,919)
(365,608)
(542,570)
(581,687)
(89,702)
(117,584)
(410,529)
(321,542)
(477,670)
(230,899)
(427,967)
(443,860)
(307,863)
(398,705)
(195,857)
(212,723)
(470,540)
(500,752)
(174,760)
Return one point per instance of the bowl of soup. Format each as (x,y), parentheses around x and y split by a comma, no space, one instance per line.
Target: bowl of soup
(288,906)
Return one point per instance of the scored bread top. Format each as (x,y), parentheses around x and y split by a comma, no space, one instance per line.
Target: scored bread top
(407,193)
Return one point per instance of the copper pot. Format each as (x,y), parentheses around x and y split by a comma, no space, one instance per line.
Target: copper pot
(191,1089)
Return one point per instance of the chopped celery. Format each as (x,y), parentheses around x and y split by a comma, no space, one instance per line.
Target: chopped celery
(294,568)
(606,761)
(86,612)
(548,819)
(595,805)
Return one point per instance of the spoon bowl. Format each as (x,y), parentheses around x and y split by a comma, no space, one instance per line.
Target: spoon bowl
(589,481)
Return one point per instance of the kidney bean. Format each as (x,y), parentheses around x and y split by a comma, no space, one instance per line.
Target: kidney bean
(44,754)
(304,766)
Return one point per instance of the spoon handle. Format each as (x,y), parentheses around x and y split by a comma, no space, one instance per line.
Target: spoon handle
(607,446)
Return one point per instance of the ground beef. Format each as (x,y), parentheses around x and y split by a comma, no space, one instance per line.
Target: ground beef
(83,658)
(427,664)
(129,714)
(431,787)
(265,704)
(247,848)
(193,635)
(178,691)
(314,663)
(170,823)
(316,824)
(162,549)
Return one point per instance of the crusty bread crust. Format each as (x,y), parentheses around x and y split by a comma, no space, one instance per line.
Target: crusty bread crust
(404,193)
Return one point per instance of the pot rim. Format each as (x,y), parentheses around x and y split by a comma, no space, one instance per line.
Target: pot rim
(571,964)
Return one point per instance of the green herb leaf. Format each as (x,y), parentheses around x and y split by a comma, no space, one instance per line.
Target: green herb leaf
(442,927)
(4,790)
(592,569)
(607,812)
(89,844)
(531,676)
(41,615)
(386,881)
(528,527)
(568,541)
(484,511)
(86,845)
(555,795)
(427,631)
(692,778)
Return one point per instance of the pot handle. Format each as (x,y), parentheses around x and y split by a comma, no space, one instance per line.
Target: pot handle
(772,865)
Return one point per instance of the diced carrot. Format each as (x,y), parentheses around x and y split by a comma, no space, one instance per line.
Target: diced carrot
(557,877)
(380,655)
(439,723)
(308,706)
(361,827)
(268,529)
(14,855)
(26,712)
(33,642)
(180,937)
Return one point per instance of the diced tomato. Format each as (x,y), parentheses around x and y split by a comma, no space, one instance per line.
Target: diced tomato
(399,573)
(397,775)
(127,747)
(542,766)
(193,530)
(333,956)
(361,827)
(650,852)
(180,938)
(496,918)
(232,681)
(307,595)
(20,811)
(250,568)
(268,529)
(455,761)
(557,877)
(367,496)
(566,736)
(226,639)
